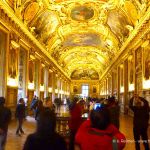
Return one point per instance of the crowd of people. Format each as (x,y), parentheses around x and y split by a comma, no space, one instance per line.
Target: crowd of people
(99,131)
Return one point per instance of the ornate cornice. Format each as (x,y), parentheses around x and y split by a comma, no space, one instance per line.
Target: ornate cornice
(8,18)
(142,28)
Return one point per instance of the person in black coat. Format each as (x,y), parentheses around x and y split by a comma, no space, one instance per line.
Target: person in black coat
(114,111)
(45,136)
(5,117)
(140,108)
(20,115)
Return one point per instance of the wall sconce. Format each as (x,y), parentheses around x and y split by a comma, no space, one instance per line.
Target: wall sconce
(12,82)
(122,89)
(56,90)
(131,87)
(146,84)
(31,86)
(42,88)
(50,89)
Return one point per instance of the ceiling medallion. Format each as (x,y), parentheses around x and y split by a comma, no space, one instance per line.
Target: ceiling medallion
(82,13)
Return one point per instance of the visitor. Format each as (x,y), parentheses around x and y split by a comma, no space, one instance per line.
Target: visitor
(97,133)
(5,117)
(140,108)
(45,136)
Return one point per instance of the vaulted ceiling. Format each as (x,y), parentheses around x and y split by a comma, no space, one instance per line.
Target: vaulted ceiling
(83,36)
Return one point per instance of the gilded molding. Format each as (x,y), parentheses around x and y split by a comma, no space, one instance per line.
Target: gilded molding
(137,34)
(7,14)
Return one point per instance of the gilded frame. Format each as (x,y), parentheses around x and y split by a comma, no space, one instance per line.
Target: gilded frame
(146,63)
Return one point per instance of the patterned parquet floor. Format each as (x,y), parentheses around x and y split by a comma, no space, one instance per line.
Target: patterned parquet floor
(16,143)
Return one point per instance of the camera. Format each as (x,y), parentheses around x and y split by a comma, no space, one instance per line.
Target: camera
(97,105)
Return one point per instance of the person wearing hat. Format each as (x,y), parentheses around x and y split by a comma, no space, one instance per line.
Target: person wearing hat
(5,117)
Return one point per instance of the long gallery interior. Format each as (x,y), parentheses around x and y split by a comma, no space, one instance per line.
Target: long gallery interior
(67,48)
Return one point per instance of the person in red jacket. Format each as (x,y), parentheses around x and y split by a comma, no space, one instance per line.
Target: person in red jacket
(75,120)
(97,133)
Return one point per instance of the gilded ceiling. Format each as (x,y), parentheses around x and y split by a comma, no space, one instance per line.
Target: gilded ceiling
(83,36)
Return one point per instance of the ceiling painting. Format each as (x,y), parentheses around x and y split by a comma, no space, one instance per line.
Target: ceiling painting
(45,25)
(82,13)
(87,39)
(84,74)
(30,11)
(119,23)
(83,36)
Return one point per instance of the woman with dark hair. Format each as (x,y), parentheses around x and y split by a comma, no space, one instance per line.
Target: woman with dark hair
(98,133)
(20,115)
(39,109)
(114,110)
(45,136)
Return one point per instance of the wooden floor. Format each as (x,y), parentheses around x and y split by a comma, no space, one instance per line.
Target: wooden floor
(16,143)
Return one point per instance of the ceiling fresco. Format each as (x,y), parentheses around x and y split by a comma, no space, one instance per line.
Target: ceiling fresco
(87,39)
(84,74)
(82,36)
(82,13)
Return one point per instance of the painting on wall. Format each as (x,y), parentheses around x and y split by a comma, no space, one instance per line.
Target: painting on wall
(85,39)
(94,89)
(130,70)
(42,75)
(12,63)
(138,68)
(147,63)
(138,61)
(31,71)
(75,90)
(82,13)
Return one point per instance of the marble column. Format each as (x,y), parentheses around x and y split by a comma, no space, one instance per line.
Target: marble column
(61,88)
(4,38)
(46,73)
(118,83)
(37,78)
(53,85)
(65,88)
(58,86)
(125,85)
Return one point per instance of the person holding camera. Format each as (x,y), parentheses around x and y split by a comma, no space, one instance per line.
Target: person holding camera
(97,133)
(140,108)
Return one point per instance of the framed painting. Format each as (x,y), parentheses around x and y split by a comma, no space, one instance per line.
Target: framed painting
(121,75)
(13,63)
(31,71)
(146,64)
(75,90)
(138,69)
(94,89)
(131,70)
